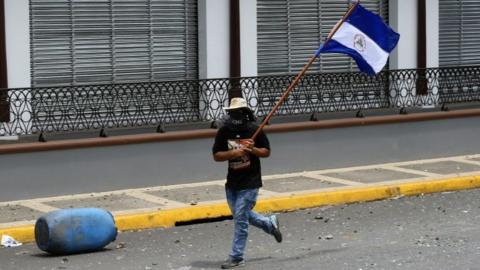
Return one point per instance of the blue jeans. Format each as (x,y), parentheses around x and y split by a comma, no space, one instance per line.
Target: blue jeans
(241,203)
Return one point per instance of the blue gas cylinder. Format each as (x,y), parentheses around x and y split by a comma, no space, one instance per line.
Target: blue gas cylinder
(75,230)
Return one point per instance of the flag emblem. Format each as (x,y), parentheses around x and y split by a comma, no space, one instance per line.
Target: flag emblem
(359,42)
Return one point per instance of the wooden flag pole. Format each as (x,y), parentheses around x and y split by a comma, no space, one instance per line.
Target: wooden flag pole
(302,72)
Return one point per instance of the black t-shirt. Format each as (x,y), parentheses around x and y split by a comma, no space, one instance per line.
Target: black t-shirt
(245,172)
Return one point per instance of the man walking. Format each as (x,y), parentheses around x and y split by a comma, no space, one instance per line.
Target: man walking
(233,144)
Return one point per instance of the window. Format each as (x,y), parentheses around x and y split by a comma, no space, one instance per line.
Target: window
(290,31)
(459,32)
(76,42)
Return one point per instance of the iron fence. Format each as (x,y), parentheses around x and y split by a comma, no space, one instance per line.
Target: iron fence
(90,107)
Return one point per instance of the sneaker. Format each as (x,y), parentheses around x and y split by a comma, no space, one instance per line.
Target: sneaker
(231,263)
(276,229)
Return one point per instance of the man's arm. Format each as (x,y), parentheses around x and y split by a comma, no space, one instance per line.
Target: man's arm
(227,155)
(259,152)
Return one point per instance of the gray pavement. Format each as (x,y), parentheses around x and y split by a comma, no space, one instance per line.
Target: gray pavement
(101,169)
(439,231)
(25,212)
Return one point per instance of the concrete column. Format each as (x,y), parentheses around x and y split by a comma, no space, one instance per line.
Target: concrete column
(403,19)
(214,50)
(17,33)
(248,48)
(248,37)
(214,55)
(433,33)
(214,43)
(17,24)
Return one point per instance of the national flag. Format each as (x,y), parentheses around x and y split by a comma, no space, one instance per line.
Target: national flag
(366,38)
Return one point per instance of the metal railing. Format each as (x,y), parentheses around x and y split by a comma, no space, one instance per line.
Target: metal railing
(91,107)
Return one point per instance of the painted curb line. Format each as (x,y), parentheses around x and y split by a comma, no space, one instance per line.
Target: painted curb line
(168,218)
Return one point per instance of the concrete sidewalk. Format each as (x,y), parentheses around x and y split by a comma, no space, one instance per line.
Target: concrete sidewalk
(166,206)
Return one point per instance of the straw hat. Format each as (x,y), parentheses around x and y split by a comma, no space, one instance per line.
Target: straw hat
(238,103)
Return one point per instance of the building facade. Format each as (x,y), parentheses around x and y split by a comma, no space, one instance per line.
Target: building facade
(73,42)
(73,51)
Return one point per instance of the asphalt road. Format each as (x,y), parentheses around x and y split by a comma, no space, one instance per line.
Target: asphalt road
(440,231)
(86,170)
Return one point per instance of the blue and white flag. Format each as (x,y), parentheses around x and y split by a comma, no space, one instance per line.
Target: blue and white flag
(364,37)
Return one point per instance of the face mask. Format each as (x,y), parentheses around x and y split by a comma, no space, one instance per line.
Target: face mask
(238,118)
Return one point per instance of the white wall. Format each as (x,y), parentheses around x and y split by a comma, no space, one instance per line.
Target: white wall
(433,33)
(214,38)
(403,19)
(17,42)
(248,38)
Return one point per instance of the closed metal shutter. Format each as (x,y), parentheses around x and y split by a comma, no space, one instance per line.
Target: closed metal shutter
(459,32)
(75,42)
(290,31)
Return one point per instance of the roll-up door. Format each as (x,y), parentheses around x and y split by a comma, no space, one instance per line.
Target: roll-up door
(290,31)
(75,42)
(459,32)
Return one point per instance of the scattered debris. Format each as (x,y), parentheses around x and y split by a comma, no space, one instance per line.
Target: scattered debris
(326,237)
(120,245)
(323,208)
(185,268)
(8,241)
(329,237)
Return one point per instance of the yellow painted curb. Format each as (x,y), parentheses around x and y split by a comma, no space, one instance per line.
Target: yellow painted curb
(21,233)
(168,218)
